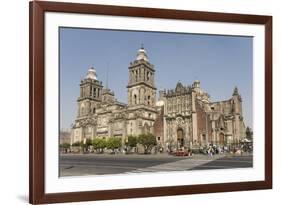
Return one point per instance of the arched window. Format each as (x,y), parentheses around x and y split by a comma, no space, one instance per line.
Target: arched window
(148,100)
(94,110)
(91,90)
(135,99)
(137,73)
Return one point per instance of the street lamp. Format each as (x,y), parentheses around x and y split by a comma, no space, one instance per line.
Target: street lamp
(84,143)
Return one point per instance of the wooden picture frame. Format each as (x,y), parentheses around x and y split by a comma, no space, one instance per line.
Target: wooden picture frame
(37,11)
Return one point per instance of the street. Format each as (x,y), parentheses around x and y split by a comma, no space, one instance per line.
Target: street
(99,164)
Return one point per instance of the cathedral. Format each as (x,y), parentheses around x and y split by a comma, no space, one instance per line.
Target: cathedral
(179,117)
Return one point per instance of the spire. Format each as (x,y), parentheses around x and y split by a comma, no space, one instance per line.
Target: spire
(179,86)
(91,74)
(235,91)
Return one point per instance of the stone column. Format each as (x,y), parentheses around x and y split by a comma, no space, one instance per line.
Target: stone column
(129,97)
(237,127)
(130,76)
(142,96)
(139,96)
(95,131)
(193,95)
(213,132)
(124,134)
(207,129)
(164,132)
(194,119)
(92,132)
(81,134)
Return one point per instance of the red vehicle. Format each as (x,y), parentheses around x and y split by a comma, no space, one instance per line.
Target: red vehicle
(182,153)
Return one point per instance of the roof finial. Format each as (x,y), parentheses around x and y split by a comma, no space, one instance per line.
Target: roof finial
(235,92)
(142,46)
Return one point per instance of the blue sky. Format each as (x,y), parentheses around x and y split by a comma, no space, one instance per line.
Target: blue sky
(219,62)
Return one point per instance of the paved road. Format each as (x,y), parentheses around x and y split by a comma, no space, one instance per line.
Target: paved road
(109,164)
(77,165)
(227,162)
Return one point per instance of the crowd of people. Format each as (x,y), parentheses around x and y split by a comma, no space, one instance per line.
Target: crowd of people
(213,149)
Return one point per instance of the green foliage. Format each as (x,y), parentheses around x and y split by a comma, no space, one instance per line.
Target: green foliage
(78,144)
(65,145)
(113,143)
(132,141)
(99,144)
(147,141)
(89,142)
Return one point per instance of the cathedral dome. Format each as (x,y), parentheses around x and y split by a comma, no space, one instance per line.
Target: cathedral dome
(196,83)
(91,74)
(142,55)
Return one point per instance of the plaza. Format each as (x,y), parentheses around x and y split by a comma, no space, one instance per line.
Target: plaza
(93,164)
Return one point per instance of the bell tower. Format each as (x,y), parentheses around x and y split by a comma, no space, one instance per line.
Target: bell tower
(237,112)
(141,86)
(90,94)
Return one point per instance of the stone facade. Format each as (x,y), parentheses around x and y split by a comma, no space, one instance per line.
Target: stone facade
(182,117)
(192,120)
(101,115)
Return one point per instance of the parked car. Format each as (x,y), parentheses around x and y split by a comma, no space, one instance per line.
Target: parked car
(182,153)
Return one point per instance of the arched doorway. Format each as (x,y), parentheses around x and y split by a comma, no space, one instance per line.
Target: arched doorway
(221,139)
(180,140)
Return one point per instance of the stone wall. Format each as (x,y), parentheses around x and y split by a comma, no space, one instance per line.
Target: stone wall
(159,126)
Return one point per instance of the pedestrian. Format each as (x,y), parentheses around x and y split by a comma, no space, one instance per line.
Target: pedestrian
(211,152)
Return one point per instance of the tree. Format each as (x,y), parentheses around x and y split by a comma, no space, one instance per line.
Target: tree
(89,142)
(147,141)
(132,141)
(65,145)
(113,143)
(99,144)
(249,133)
(77,144)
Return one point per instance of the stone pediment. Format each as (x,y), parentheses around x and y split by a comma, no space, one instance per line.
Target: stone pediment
(179,90)
(179,87)
(85,122)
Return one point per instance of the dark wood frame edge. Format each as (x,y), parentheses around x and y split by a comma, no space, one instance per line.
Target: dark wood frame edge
(36,104)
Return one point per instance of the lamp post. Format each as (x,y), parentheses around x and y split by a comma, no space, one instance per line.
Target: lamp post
(126,145)
(84,144)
